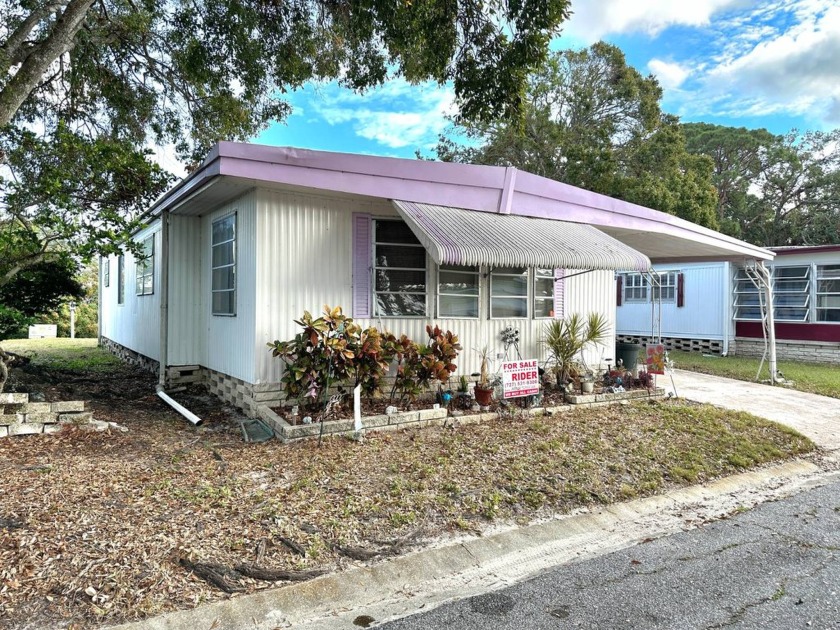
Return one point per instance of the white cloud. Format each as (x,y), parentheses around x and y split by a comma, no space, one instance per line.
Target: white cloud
(795,72)
(396,115)
(671,75)
(591,21)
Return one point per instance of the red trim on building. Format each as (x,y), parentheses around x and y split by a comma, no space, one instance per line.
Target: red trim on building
(795,332)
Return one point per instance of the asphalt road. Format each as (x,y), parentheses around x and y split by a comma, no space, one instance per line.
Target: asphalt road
(777,566)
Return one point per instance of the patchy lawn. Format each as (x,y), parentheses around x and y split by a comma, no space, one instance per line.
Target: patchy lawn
(94,527)
(817,378)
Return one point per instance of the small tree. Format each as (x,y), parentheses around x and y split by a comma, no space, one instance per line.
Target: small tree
(567,338)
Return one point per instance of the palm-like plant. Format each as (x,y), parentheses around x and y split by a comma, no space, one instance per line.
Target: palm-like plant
(567,338)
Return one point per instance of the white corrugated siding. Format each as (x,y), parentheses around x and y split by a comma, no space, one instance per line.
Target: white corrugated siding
(705,314)
(134,324)
(187,317)
(229,346)
(305,250)
(594,292)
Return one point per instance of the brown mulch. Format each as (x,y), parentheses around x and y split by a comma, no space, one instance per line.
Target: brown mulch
(105,527)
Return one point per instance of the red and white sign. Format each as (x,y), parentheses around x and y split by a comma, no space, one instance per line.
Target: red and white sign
(520,378)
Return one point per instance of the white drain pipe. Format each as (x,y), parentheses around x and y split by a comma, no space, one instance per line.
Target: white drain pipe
(189,415)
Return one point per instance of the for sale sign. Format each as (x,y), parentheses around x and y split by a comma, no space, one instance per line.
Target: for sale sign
(520,378)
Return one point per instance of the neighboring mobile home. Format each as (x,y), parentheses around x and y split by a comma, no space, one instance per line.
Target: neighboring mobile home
(241,247)
(715,307)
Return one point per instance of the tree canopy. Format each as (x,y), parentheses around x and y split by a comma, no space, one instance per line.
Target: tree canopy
(86,87)
(592,121)
(773,190)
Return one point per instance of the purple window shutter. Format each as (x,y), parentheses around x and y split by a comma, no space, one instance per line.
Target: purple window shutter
(362,243)
(559,293)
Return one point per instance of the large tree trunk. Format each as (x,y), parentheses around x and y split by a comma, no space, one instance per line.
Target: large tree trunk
(41,57)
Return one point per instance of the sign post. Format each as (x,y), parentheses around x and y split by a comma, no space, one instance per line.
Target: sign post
(520,378)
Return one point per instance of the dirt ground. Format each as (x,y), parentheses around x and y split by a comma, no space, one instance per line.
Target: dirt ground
(99,528)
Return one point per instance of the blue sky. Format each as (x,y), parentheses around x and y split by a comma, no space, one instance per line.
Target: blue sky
(731,62)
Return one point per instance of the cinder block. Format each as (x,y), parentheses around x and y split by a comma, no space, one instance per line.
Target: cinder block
(52,428)
(75,418)
(4,431)
(25,428)
(67,405)
(10,398)
(43,407)
(431,414)
(40,417)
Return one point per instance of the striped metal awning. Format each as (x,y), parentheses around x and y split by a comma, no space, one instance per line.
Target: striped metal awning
(454,236)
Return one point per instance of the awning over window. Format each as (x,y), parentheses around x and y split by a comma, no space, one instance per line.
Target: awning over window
(454,236)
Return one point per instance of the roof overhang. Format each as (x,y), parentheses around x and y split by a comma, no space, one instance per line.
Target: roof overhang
(233,168)
(454,236)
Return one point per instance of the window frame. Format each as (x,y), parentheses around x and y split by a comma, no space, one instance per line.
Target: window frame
(629,285)
(818,277)
(145,268)
(541,298)
(667,285)
(232,216)
(471,270)
(526,297)
(106,271)
(780,311)
(376,268)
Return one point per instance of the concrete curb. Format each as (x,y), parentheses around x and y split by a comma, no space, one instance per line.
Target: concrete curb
(428,578)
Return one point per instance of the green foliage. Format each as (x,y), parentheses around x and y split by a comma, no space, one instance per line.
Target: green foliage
(592,121)
(567,338)
(37,291)
(773,190)
(333,351)
(420,367)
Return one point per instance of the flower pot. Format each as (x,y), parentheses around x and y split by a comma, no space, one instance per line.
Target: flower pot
(483,396)
(587,387)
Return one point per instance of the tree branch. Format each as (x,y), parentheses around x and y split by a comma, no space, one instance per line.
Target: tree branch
(56,43)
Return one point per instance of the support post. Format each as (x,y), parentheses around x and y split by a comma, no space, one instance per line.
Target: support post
(771,325)
(164,296)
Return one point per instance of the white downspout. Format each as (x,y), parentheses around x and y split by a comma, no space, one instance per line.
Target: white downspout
(163,354)
(728,313)
(189,415)
(164,322)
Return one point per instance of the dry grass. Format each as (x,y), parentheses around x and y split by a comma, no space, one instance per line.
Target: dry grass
(95,524)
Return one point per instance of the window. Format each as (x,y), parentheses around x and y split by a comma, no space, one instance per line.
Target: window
(106,272)
(458,291)
(508,292)
(399,271)
(223,287)
(828,293)
(791,293)
(667,288)
(121,279)
(543,293)
(635,288)
(747,300)
(145,280)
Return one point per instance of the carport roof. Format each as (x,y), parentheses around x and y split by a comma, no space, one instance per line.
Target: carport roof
(233,168)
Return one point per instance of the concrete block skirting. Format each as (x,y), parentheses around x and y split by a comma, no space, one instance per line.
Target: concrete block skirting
(706,346)
(18,416)
(807,351)
(130,356)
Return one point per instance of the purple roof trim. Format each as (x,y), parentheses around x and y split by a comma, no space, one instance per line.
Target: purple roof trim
(468,186)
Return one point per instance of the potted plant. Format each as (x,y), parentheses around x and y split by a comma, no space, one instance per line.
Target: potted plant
(464,392)
(587,383)
(483,390)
